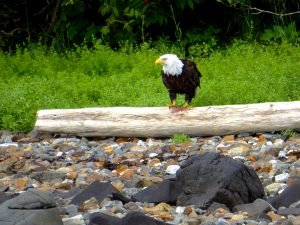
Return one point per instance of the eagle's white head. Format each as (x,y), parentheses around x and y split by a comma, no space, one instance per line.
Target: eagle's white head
(172,65)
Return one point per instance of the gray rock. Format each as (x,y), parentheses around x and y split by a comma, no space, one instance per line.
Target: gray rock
(208,223)
(295,205)
(287,222)
(71,209)
(216,205)
(213,177)
(5,136)
(295,220)
(132,206)
(166,191)
(32,199)
(289,211)
(32,207)
(222,221)
(290,195)
(255,209)
(69,194)
(4,197)
(99,218)
(99,191)
(48,176)
(138,218)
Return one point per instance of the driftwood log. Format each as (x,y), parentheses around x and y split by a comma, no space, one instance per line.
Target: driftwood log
(165,122)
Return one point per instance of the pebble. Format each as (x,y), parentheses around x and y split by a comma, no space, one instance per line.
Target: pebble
(281,177)
(172,169)
(63,163)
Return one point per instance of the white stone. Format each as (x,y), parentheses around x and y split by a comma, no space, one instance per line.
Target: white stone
(65,169)
(4,145)
(278,143)
(282,154)
(59,154)
(240,158)
(141,143)
(116,146)
(281,178)
(273,162)
(153,154)
(157,164)
(171,169)
(180,209)
(221,145)
(152,142)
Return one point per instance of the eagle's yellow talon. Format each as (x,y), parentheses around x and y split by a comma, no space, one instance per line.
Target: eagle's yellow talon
(186,105)
(173,104)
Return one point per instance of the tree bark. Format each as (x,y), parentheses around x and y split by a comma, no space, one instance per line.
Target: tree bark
(165,122)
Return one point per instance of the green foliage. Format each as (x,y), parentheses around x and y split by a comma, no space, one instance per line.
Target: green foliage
(234,2)
(63,24)
(37,78)
(281,33)
(180,138)
(290,133)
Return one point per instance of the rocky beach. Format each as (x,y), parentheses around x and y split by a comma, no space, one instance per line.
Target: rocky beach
(249,178)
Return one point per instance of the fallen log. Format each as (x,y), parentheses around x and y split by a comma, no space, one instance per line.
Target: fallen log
(165,122)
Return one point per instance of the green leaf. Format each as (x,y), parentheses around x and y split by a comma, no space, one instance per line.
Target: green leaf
(136,13)
(104,10)
(115,11)
(267,35)
(127,25)
(131,13)
(191,4)
(181,4)
(126,10)
(105,30)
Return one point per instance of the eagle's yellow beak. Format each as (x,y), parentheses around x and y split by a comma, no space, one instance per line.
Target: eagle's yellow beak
(159,61)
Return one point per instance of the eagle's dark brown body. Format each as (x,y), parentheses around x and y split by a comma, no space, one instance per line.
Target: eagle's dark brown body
(186,83)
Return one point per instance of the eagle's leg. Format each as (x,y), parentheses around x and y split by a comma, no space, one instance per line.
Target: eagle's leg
(173,99)
(188,99)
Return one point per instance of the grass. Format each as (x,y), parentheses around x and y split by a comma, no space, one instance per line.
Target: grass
(243,73)
(290,133)
(180,138)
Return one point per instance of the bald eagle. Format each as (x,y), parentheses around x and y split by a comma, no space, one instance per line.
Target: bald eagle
(180,77)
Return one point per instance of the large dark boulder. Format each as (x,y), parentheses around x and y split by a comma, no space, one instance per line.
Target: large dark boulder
(100,191)
(213,177)
(32,207)
(167,191)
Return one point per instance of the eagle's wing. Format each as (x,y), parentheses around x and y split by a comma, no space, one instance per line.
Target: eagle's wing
(194,74)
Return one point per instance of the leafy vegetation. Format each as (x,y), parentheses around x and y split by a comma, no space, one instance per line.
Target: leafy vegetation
(180,138)
(35,78)
(65,23)
(290,133)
